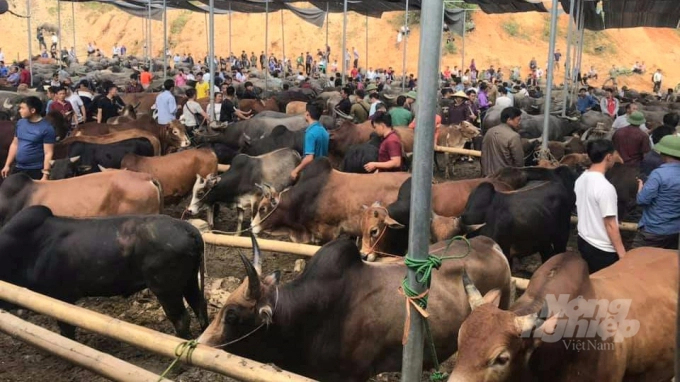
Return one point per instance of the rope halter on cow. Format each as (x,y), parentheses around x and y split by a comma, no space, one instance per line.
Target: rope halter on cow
(423,270)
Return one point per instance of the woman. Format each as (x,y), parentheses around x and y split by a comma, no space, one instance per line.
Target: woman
(33,144)
(191,111)
(391,150)
(180,78)
(217,107)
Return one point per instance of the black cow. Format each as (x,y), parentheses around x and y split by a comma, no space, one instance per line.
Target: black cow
(225,153)
(280,138)
(69,259)
(533,219)
(85,158)
(242,184)
(358,155)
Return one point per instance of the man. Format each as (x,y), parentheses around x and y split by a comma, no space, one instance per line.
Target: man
(391,150)
(653,159)
(134,86)
(239,77)
(503,100)
(316,140)
(2,56)
(33,144)
(609,105)
(345,105)
(585,101)
(622,120)
(356,57)
(77,105)
(166,105)
(228,111)
(656,79)
(263,60)
(249,93)
(410,101)
(116,51)
(4,71)
(533,64)
(660,223)
(630,141)
(360,109)
(145,79)
(502,146)
(374,100)
(55,41)
(62,106)
(613,73)
(24,75)
(14,78)
(399,114)
(558,55)
(108,107)
(599,239)
(300,61)
(202,87)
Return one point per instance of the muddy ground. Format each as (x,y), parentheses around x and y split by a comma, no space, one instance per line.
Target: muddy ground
(20,362)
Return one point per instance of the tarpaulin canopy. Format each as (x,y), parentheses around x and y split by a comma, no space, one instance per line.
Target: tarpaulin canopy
(455,19)
(599,15)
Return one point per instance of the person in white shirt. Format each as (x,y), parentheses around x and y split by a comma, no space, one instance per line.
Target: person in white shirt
(2,55)
(599,239)
(503,101)
(190,77)
(622,120)
(239,77)
(116,50)
(217,107)
(77,103)
(300,77)
(656,79)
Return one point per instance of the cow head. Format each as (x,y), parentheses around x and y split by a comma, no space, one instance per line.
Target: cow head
(201,189)
(67,168)
(250,306)
(494,344)
(176,135)
(375,222)
(468,130)
(269,202)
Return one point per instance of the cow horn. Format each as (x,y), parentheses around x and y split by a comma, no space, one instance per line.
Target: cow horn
(472,227)
(474,296)
(534,320)
(6,104)
(257,256)
(253,292)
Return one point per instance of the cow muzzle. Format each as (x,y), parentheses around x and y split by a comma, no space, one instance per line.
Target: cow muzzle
(370,257)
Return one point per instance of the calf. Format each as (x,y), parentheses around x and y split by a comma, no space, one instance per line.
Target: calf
(172,136)
(242,184)
(69,259)
(455,136)
(342,319)
(102,194)
(639,290)
(177,171)
(325,203)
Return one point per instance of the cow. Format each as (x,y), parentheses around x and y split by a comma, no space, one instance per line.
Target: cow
(69,259)
(102,194)
(176,172)
(558,127)
(258,106)
(406,136)
(263,127)
(225,153)
(385,229)
(62,148)
(172,136)
(296,107)
(324,203)
(243,183)
(358,155)
(454,136)
(92,156)
(280,138)
(498,345)
(345,136)
(129,115)
(533,219)
(320,325)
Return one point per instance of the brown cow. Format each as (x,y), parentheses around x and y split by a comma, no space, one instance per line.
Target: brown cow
(258,106)
(61,148)
(346,135)
(114,192)
(176,172)
(455,136)
(172,136)
(129,114)
(325,203)
(407,136)
(144,101)
(296,107)
(631,338)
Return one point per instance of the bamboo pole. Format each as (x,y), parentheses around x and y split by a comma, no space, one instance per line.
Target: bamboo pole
(455,150)
(205,357)
(78,354)
(623,226)
(223,167)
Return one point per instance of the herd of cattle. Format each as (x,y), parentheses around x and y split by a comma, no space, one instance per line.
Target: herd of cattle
(342,318)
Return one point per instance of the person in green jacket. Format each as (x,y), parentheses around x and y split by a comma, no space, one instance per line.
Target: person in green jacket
(400,116)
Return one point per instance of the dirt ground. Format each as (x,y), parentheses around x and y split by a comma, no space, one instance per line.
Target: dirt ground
(20,362)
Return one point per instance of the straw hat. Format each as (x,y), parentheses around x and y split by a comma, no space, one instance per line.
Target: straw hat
(460,94)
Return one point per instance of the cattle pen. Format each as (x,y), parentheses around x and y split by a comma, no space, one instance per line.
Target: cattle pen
(201,356)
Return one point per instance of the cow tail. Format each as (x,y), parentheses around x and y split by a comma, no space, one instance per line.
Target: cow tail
(161,201)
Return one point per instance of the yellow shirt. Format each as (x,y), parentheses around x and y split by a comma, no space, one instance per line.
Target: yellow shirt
(202,90)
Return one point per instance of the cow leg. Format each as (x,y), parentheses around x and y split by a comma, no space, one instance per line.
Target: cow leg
(196,300)
(173,306)
(210,216)
(447,164)
(67,330)
(239,224)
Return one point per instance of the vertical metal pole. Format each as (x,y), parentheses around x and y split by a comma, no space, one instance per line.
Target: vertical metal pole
(366,66)
(328,22)
(677,334)
(419,239)
(266,47)
(230,31)
(73,17)
(61,63)
(551,72)
(441,58)
(344,41)
(30,41)
(577,48)
(211,57)
(148,35)
(583,31)
(165,40)
(567,68)
(283,45)
(403,58)
(462,65)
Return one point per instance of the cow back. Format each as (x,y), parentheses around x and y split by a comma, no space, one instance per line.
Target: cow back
(61,149)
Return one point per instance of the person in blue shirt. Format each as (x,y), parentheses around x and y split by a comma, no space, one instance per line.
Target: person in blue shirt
(166,104)
(660,223)
(585,101)
(316,140)
(33,144)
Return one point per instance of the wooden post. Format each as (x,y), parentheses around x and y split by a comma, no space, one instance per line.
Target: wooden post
(78,354)
(223,167)
(455,150)
(205,357)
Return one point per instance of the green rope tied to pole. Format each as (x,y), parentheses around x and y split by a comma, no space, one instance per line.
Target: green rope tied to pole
(186,346)
(423,270)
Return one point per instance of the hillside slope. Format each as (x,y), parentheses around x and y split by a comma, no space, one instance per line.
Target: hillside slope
(501,40)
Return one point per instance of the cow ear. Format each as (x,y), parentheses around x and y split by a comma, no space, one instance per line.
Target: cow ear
(272,279)
(393,223)
(492,297)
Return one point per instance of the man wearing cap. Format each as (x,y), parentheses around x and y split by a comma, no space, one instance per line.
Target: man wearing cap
(360,108)
(399,114)
(459,111)
(660,222)
(631,142)
(410,100)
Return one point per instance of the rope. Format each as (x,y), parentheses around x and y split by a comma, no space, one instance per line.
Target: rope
(423,270)
(187,347)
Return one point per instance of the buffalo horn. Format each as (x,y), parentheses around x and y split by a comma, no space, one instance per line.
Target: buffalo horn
(474,296)
(253,279)
(257,256)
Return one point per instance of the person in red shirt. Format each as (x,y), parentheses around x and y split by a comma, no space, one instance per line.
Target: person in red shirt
(145,79)
(391,150)
(62,106)
(354,72)
(631,142)
(24,75)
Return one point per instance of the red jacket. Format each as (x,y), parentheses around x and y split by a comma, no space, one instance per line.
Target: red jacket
(25,77)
